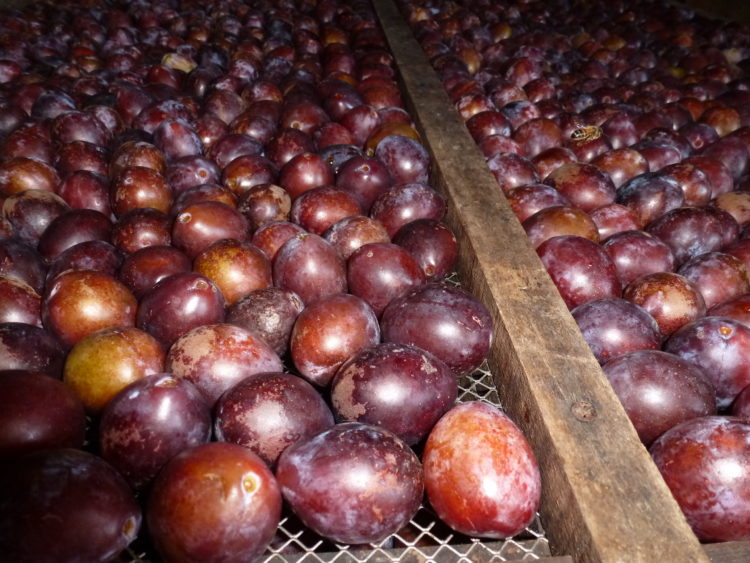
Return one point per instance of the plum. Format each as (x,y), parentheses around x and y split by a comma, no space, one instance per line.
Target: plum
(705,462)
(400,388)
(213,502)
(215,357)
(481,476)
(148,422)
(328,332)
(353,483)
(659,390)
(89,514)
(270,411)
(38,412)
(445,320)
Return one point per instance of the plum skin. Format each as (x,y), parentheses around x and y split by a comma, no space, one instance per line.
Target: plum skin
(214,502)
(659,390)
(445,320)
(90,514)
(353,483)
(704,462)
(148,422)
(481,476)
(269,411)
(401,388)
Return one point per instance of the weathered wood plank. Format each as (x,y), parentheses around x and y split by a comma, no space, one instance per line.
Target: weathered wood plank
(729,552)
(604,499)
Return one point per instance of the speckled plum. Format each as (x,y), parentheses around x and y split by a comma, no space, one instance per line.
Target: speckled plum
(149,422)
(215,357)
(270,411)
(481,476)
(401,388)
(671,299)
(445,320)
(270,312)
(720,346)
(706,464)
(353,483)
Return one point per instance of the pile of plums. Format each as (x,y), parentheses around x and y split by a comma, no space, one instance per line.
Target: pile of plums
(223,292)
(619,133)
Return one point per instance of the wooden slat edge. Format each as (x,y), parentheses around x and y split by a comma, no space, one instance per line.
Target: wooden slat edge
(604,498)
(728,552)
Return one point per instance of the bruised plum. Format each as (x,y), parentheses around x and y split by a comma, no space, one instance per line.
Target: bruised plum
(270,312)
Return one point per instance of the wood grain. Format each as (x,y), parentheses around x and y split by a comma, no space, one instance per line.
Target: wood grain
(604,499)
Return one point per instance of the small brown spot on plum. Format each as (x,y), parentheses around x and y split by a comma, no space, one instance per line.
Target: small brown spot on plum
(130,528)
(184,217)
